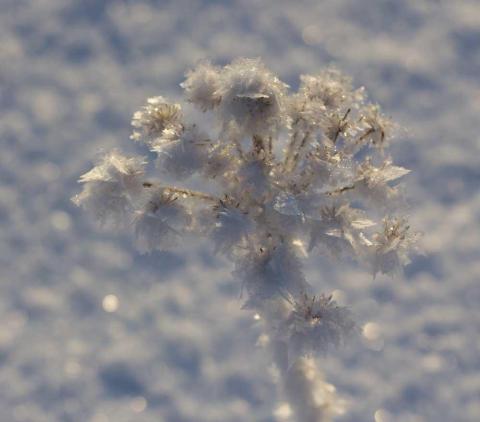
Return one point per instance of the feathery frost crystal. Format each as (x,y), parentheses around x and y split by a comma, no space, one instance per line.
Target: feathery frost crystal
(111,187)
(283,173)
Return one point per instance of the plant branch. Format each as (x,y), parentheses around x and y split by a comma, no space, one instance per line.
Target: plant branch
(183,191)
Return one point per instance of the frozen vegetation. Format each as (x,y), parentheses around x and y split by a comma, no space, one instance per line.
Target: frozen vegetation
(92,330)
(283,175)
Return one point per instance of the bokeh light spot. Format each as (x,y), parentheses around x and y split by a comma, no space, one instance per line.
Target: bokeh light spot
(110,303)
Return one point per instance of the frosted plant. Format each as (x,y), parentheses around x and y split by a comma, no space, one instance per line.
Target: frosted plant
(287,174)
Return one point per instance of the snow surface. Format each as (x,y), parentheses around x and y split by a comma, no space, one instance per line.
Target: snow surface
(172,343)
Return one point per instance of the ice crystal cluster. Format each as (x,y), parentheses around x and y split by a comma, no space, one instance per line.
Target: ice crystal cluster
(284,174)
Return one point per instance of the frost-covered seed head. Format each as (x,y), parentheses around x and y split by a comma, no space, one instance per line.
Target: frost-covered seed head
(377,128)
(330,87)
(201,86)
(251,96)
(334,124)
(115,167)
(393,245)
(317,324)
(111,186)
(156,119)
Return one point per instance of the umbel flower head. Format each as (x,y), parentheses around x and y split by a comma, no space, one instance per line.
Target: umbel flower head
(321,188)
(282,173)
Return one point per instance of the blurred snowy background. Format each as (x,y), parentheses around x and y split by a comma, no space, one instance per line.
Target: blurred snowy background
(93,331)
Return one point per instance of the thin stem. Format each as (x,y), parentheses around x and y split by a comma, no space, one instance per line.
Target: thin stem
(299,150)
(340,190)
(342,126)
(310,398)
(183,191)
(291,145)
(365,135)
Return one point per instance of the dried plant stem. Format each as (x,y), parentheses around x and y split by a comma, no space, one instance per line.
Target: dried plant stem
(340,190)
(310,398)
(299,150)
(290,149)
(184,192)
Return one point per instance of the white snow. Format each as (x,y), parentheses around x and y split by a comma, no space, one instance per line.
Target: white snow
(178,348)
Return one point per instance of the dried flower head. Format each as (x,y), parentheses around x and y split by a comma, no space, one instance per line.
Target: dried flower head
(251,96)
(110,188)
(317,324)
(201,86)
(156,119)
(376,128)
(329,87)
(392,246)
